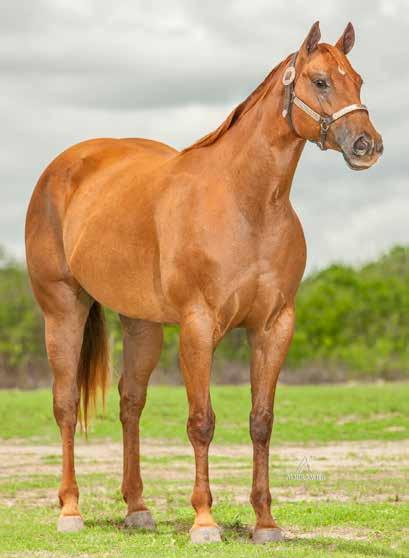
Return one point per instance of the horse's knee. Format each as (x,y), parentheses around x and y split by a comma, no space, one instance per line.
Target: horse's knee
(131,406)
(200,427)
(261,423)
(65,406)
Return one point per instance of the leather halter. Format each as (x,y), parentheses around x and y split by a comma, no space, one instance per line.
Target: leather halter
(324,121)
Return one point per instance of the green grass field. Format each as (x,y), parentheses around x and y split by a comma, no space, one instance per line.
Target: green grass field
(355,436)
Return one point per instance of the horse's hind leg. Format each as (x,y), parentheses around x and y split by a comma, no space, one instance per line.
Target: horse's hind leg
(65,312)
(142,347)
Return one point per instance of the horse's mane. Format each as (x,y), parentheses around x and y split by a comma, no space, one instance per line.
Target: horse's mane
(259,93)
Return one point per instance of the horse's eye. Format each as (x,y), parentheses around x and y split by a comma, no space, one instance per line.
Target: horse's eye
(321,83)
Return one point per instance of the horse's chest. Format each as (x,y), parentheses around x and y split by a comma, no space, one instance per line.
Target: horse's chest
(255,299)
(264,286)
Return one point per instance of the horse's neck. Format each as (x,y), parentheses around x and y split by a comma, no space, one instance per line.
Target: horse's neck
(259,156)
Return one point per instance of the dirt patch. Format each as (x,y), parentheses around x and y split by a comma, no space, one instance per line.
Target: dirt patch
(35,498)
(344,533)
(19,458)
(382,463)
(349,454)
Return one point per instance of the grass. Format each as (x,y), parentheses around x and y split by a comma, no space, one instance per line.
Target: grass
(303,414)
(357,527)
(103,535)
(359,509)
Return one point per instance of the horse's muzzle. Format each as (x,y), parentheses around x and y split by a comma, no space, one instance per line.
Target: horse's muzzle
(362,151)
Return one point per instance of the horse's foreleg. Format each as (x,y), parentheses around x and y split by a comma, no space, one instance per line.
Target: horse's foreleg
(269,349)
(196,353)
(142,348)
(65,319)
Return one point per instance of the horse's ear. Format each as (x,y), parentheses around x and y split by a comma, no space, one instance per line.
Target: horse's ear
(347,39)
(311,41)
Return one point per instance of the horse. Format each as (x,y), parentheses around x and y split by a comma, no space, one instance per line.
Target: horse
(206,238)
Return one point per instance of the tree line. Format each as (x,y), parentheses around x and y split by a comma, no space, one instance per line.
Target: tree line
(352,323)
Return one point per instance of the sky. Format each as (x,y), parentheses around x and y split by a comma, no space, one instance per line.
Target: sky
(172,71)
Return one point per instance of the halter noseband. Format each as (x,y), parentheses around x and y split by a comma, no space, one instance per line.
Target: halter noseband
(324,121)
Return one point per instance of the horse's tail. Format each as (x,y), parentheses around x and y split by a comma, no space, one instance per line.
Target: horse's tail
(93,367)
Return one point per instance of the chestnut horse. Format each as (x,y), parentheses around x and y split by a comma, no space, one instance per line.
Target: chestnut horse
(205,238)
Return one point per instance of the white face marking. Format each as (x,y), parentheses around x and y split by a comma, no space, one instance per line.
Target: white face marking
(341,70)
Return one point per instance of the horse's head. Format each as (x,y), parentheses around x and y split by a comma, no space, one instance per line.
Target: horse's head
(323,100)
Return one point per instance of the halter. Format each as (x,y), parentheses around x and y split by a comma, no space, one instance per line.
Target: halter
(324,121)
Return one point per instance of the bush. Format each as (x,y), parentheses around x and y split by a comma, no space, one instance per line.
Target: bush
(350,320)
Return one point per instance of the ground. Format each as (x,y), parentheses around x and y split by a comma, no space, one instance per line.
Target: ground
(339,476)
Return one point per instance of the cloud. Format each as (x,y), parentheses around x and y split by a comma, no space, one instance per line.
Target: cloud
(173,70)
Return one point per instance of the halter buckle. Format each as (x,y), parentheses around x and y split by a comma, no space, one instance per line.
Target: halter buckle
(325,123)
(289,75)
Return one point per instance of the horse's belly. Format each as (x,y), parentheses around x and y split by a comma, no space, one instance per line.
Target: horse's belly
(117,263)
(127,287)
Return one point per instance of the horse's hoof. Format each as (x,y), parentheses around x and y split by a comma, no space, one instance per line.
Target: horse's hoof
(201,535)
(70,523)
(140,519)
(261,536)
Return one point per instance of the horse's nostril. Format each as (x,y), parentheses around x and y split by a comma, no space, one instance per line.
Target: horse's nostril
(379,147)
(361,146)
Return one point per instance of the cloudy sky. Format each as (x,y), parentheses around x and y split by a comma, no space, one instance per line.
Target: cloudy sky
(172,70)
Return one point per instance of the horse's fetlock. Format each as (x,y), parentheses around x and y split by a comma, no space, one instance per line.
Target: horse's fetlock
(260,498)
(66,492)
(201,498)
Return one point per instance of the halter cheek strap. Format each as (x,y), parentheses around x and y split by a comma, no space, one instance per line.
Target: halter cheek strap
(324,121)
